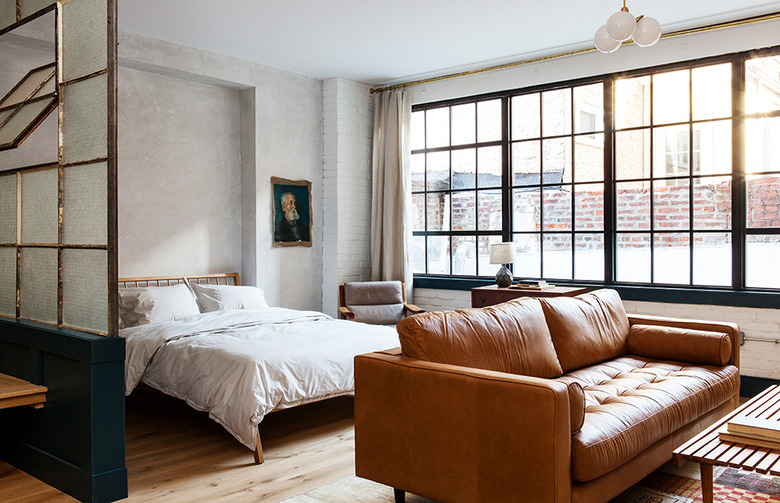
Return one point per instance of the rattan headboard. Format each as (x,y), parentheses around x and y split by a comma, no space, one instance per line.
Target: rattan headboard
(229,278)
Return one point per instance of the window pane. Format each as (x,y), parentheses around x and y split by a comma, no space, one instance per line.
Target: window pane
(438,212)
(437,127)
(671,207)
(671,151)
(557,160)
(438,171)
(526,163)
(464,168)
(464,255)
(28,85)
(671,96)
(589,257)
(557,256)
(27,114)
(589,158)
(632,154)
(763,201)
(633,205)
(418,212)
(489,165)
(632,102)
(85,206)
(8,281)
(38,284)
(418,171)
(525,116)
(589,108)
(712,203)
(556,112)
(489,120)
(438,254)
(528,263)
(672,258)
(762,81)
(489,210)
(417,130)
(762,150)
(712,259)
(40,206)
(633,258)
(712,148)
(484,265)
(464,124)
(84,289)
(589,207)
(84,45)
(464,211)
(525,207)
(418,256)
(85,120)
(557,210)
(8,208)
(711,91)
(761,262)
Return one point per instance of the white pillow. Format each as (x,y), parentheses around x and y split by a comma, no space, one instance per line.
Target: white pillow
(219,297)
(142,305)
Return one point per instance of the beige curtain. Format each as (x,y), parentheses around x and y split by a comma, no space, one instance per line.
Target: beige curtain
(391,198)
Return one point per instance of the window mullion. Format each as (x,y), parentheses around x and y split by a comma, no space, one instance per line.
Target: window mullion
(610,202)
(738,199)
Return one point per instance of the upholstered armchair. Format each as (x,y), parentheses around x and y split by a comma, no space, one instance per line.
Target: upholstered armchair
(375,302)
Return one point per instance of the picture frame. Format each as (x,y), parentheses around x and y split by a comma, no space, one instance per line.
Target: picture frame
(292,212)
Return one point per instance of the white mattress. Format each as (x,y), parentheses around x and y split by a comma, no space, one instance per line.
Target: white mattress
(240,365)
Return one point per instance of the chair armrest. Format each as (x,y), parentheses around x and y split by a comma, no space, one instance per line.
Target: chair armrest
(473,435)
(346,314)
(412,309)
(731,329)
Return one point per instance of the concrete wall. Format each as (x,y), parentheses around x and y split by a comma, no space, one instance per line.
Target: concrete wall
(278,118)
(759,359)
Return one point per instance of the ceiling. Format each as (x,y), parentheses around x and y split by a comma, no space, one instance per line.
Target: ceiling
(402,40)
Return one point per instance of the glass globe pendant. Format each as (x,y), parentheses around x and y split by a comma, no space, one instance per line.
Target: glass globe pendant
(621,24)
(648,31)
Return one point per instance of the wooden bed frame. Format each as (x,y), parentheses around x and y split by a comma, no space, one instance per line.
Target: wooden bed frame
(230,278)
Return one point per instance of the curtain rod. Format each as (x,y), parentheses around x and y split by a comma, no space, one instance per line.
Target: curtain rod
(718,26)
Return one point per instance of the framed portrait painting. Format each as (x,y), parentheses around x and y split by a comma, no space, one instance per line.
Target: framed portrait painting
(292,213)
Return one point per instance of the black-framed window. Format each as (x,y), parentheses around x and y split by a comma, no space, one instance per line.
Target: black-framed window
(666,177)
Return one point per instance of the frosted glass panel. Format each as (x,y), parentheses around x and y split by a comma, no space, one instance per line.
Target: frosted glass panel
(39,206)
(30,7)
(84,38)
(85,289)
(84,204)
(28,85)
(7,13)
(8,281)
(28,114)
(38,286)
(8,208)
(85,120)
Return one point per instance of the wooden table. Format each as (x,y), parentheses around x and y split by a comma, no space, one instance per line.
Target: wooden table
(17,392)
(708,450)
(482,296)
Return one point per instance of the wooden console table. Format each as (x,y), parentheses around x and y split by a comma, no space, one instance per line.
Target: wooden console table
(482,296)
(17,392)
(708,450)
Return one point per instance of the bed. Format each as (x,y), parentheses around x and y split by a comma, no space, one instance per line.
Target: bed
(226,352)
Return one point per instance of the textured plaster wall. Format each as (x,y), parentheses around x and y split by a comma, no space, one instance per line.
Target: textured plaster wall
(280,123)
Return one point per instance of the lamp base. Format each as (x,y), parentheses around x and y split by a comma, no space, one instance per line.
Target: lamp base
(504,276)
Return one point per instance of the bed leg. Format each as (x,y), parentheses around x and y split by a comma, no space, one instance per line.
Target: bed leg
(259,450)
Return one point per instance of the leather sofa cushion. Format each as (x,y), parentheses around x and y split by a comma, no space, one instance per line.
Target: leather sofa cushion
(671,343)
(509,337)
(632,402)
(587,329)
(576,406)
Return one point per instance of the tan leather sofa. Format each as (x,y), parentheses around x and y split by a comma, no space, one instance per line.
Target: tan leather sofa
(551,400)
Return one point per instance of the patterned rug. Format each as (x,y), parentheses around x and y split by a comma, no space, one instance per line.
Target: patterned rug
(668,484)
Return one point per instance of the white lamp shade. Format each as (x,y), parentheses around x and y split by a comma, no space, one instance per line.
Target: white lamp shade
(648,31)
(604,42)
(621,25)
(502,253)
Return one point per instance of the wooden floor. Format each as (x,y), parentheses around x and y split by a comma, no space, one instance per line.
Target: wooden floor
(176,454)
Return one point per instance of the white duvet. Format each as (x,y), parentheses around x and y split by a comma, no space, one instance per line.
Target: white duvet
(240,365)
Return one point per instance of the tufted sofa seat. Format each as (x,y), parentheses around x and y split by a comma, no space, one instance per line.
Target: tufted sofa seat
(551,400)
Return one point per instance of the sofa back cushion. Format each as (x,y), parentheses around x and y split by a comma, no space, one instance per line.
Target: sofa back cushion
(587,329)
(510,337)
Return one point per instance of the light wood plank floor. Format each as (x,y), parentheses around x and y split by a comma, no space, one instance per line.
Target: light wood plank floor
(176,454)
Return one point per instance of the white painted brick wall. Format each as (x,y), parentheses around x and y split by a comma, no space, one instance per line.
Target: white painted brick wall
(348,123)
(758,359)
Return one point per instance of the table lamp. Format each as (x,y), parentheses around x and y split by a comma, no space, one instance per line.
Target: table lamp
(504,254)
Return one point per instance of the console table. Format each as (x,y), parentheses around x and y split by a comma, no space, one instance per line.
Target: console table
(16,392)
(482,296)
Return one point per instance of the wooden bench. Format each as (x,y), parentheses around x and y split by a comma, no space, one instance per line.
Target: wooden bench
(16,392)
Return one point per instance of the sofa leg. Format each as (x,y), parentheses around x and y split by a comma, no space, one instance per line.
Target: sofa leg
(400,496)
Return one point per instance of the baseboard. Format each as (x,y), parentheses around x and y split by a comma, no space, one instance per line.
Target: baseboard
(752,386)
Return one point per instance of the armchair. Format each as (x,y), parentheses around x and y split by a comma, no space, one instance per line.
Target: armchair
(375,302)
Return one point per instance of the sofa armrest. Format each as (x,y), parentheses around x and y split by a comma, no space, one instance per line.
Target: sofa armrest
(731,329)
(461,434)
